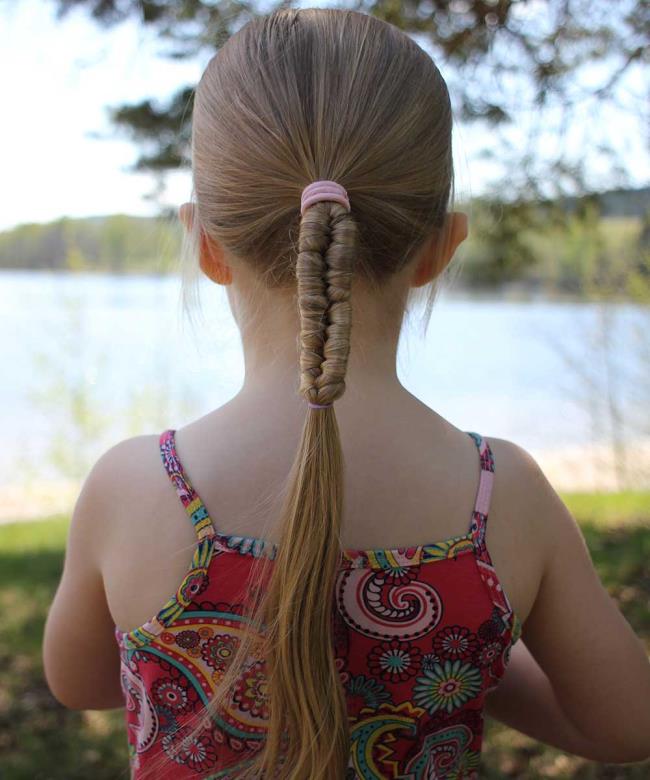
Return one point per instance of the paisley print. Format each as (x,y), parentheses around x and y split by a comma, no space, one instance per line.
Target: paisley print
(142,717)
(371,739)
(385,604)
(250,692)
(219,650)
(420,635)
(440,754)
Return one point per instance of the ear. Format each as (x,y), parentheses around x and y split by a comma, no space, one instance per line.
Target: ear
(437,252)
(211,254)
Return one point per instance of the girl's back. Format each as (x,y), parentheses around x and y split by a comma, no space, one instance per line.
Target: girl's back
(423,622)
(350,609)
(413,480)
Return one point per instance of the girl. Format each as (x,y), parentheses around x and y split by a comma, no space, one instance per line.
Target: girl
(315,632)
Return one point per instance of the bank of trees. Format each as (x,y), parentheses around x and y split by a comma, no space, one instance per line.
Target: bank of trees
(117,243)
(592,247)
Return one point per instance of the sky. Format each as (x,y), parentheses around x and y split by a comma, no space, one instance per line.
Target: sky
(60,156)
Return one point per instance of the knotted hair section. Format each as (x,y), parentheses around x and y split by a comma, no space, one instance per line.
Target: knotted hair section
(327,247)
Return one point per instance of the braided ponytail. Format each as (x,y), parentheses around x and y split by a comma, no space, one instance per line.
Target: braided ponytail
(324,269)
(305,692)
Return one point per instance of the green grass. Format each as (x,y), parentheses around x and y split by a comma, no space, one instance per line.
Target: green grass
(40,740)
(630,507)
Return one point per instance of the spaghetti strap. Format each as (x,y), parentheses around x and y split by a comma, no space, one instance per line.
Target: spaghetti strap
(478,524)
(502,607)
(190,499)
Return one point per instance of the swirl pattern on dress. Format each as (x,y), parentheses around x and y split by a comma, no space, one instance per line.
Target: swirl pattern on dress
(388,605)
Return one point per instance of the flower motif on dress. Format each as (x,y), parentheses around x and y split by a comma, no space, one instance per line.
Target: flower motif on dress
(447,686)
(455,642)
(492,627)
(187,639)
(399,575)
(371,692)
(167,720)
(195,582)
(198,753)
(489,653)
(176,695)
(394,660)
(469,763)
(429,660)
(251,694)
(218,651)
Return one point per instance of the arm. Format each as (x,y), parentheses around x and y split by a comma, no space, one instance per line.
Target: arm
(585,685)
(80,654)
(525,700)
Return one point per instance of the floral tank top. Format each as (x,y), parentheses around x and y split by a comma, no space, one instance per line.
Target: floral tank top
(421,635)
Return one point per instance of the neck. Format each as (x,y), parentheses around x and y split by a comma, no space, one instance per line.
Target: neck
(269,328)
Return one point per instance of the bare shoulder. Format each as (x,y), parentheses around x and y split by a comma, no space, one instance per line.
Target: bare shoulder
(527,487)
(132,455)
(114,469)
(139,523)
(526,516)
(126,476)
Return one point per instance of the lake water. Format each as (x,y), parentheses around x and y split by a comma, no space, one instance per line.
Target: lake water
(88,360)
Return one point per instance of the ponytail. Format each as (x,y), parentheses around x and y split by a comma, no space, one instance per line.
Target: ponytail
(308,726)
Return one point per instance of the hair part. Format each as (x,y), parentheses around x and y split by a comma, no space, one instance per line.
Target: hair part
(293,97)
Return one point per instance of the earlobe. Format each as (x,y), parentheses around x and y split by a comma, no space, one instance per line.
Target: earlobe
(435,257)
(186,215)
(211,256)
(424,272)
(212,261)
(461,228)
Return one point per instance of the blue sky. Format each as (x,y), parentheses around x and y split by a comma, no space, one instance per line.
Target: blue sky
(59,76)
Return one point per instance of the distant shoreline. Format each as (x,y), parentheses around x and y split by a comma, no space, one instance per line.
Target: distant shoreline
(580,468)
(517,291)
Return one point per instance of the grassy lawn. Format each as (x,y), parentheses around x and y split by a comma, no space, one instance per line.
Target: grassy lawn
(40,740)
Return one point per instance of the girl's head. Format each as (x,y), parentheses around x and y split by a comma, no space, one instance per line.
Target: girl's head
(291,98)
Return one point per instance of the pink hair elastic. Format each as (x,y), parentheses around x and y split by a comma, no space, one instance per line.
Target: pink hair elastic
(318,406)
(323,190)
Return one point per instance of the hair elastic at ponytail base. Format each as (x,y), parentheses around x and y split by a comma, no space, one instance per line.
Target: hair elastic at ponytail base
(318,406)
(323,189)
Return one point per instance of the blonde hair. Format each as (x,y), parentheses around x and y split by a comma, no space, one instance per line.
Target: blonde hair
(293,97)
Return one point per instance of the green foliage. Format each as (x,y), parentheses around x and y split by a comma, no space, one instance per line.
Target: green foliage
(39,739)
(596,258)
(164,127)
(498,248)
(502,59)
(609,510)
(117,243)
(546,246)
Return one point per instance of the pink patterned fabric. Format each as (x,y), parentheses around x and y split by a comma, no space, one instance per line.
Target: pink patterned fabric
(422,634)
